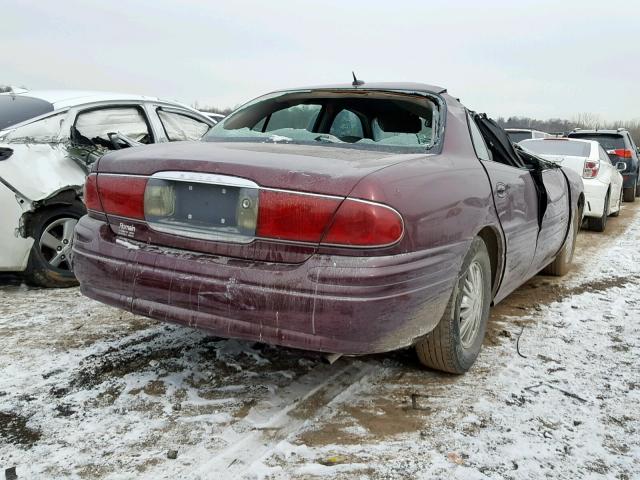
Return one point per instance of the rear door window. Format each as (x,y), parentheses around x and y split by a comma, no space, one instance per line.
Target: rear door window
(96,125)
(480,147)
(16,109)
(41,131)
(180,127)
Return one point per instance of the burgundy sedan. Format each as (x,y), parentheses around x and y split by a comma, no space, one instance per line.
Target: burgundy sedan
(347,219)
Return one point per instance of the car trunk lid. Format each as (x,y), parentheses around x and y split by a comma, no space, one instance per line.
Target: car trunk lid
(221,193)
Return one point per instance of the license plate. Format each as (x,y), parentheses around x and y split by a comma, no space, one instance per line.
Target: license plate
(202,210)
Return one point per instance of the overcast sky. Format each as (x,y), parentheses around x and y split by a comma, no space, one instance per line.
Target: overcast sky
(542,59)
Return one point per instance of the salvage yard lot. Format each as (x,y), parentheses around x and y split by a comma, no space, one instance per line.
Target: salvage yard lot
(88,391)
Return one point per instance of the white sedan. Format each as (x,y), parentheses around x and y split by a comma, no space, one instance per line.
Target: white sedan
(48,143)
(602,180)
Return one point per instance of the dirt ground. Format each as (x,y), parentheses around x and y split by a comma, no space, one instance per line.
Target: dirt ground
(88,391)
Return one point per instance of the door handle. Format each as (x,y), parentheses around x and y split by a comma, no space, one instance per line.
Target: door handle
(501,189)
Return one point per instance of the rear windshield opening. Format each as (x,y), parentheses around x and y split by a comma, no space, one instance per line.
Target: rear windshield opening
(608,142)
(558,147)
(370,120)
(15,109)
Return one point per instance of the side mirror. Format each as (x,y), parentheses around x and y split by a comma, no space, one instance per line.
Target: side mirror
(621,166)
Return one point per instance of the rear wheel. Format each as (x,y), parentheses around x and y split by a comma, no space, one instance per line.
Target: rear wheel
(600,223)
(455,343)
(562,263)
(50,261)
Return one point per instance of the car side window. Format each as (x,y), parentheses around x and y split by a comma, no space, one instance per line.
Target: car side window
(181,127)
(44,130)
(482,152)
(347,124)
(96,125)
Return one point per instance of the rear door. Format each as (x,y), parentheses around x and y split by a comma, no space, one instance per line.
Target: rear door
(556,218)
(516,202)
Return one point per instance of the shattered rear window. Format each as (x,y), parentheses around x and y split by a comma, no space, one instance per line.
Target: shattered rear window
(15,109)
(372,120)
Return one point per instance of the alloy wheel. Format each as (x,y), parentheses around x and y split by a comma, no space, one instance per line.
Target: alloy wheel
(471,306)
(55,242)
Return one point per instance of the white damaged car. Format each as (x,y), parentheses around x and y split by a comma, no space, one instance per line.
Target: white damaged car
(48,142)
(602,180)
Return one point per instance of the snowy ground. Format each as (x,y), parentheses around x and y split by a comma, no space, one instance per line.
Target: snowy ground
(87,391)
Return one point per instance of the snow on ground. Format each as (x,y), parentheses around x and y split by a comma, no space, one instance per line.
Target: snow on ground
(88,391)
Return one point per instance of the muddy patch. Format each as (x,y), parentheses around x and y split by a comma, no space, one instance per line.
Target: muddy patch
(14,430)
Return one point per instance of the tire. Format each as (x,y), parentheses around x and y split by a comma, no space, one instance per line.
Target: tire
(617,212)
(637,190)
(446,348)
(599,224)
(629,194)
(49,261)
(562,263)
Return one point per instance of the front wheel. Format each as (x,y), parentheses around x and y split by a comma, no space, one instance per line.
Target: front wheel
(455,343)
(49,261)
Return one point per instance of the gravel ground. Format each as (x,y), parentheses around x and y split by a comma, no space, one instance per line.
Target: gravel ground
(88,391)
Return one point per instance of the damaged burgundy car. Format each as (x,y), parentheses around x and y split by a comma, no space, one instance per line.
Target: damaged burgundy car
(346,219)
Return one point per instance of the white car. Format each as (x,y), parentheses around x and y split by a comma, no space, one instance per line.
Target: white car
(517,135)
(602,180)
(48,142)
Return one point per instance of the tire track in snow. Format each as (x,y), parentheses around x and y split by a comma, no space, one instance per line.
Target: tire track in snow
(278,417)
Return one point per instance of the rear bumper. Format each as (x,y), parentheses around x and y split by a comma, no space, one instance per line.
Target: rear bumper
(350,305)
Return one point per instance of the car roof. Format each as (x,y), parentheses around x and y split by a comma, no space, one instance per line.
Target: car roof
(596,132)
(410,86)
(69,98)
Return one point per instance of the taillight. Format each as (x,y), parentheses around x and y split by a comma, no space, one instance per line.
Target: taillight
(591,169)
(360,223)
(292,216)
(621,152)
(90,195)
(122,195)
